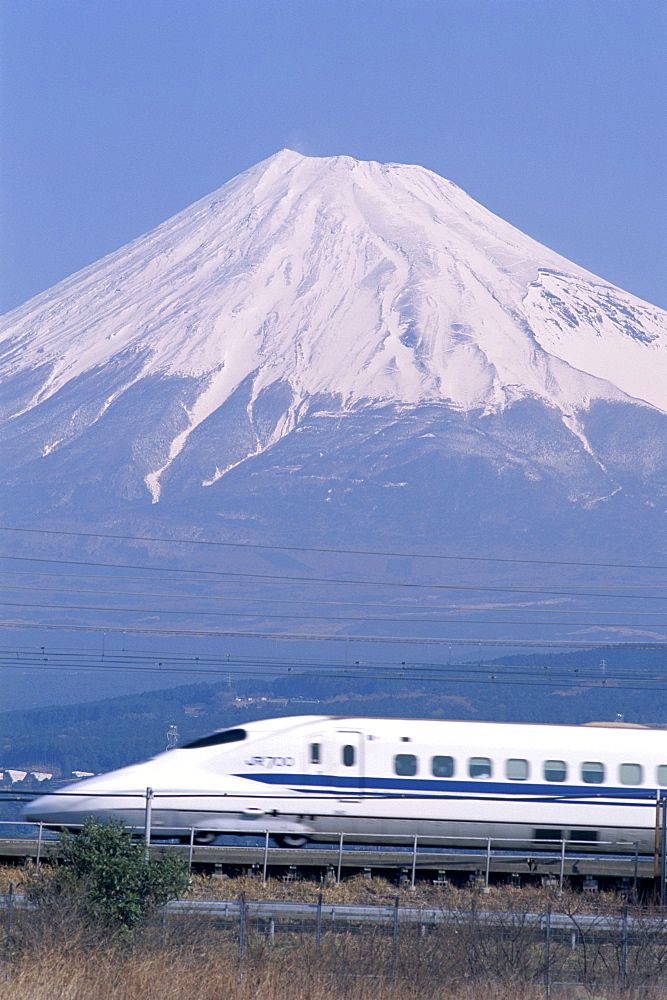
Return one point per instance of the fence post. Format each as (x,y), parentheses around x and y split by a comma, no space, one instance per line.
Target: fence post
(663,848)
(147,821)
(471,942)
(656,843)
(266,856)
(192,847)
(624,948)
(488,862)
(340,857)
(562,867)
(10,913)
(414,862)
(394,951)
(318,926)
(39,847)
(241,933)
(547,953)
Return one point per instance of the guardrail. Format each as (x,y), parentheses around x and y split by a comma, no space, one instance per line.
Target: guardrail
(145,830)
(378,914)
(622,949)
(485,854)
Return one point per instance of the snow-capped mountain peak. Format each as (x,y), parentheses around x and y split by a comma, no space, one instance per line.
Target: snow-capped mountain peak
(335,279)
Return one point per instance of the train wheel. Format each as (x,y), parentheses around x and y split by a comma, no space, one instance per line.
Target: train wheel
(205,837)
(290,840)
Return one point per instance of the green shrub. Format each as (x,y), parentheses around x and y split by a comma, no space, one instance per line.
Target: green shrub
(107,874)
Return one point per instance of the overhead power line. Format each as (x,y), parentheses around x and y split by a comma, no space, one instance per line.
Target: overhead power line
(292,661)
(460,673)
(390,608)
(357,668)
(273,616)
(197,579)
(329,551)
(473,642)
(273,578)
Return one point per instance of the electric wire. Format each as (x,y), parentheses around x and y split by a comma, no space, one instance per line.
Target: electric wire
(456,675)
(473,642)
(553,673)
(330,551)
(330,581)
(292,661)
(111,658)
(273,616)
(256,599)
(134,577)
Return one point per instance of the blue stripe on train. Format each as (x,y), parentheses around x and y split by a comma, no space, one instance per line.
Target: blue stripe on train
(446,788)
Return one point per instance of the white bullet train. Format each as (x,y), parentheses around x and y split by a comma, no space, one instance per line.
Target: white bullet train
(310,778)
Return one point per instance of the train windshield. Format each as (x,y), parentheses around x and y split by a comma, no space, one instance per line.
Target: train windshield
(227,736)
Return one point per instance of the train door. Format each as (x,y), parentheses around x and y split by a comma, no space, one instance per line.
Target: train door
(339,758)
(349,755)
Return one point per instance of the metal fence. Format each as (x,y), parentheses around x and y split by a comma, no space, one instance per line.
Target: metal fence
(622,950)
(483,857)
(616,949)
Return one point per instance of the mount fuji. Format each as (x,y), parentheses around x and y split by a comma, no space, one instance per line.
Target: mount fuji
(339,352)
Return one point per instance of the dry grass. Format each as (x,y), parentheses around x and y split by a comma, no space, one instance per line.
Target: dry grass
(11,875)
(373,891)
(380,892)
(176,973)
(55,954)
(57,975)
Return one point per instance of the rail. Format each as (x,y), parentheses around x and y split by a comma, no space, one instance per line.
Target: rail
(369,913)
(483,855)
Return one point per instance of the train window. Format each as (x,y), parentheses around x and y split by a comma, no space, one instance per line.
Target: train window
(405,764)
(555,770)
(584,836)
(548,835)
(479,767)
(661,774)
(227,736)
(442,767)
(592,772)
(631,774)
(314,753)
(516,769)
(348,755)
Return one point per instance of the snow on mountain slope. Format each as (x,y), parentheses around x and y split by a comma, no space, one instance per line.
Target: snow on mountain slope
(362,283)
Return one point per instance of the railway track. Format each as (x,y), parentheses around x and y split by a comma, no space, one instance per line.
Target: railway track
(403,866)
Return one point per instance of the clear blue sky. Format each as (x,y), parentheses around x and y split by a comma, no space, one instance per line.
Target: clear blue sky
(118,113)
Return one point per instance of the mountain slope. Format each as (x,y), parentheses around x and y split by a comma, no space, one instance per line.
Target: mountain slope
(314,285)
(345,355)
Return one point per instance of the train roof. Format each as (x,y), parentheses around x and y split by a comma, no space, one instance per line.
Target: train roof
(504,734)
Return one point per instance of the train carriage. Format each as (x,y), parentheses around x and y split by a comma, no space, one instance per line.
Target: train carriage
(310,778)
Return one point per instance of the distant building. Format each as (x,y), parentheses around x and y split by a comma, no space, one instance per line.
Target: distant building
(15,775)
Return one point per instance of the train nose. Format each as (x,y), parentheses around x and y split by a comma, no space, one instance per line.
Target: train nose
(120,794)
(54,810)
(96,798)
